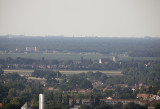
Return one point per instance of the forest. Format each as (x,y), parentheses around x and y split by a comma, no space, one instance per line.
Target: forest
(135,47)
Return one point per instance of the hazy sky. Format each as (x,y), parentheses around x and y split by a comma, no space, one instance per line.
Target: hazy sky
(118,18)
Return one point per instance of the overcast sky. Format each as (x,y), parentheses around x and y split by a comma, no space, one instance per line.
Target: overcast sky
(107,18)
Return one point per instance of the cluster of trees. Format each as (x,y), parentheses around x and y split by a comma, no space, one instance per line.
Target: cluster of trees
(46,74)
(98,76)
(16,90)
(84,64)
(79,82)
(26,63)
(22,60)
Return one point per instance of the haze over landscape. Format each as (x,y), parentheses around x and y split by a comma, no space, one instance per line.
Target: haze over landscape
(103,18)
(79,54)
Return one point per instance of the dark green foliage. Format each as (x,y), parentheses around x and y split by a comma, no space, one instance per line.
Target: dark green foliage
(118,105)
(84,107)
(96,76)
(79,82)
(133,106)
(104,106)
(134,46)
(157,105)
(3,92)
(13,76)
(46,74)
(1,72)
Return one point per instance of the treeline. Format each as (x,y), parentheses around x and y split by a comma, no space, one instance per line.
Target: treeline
(145,47)
(70,82)
(85,64)
(46,74)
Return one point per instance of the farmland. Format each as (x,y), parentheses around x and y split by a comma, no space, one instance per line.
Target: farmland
(55,56)
(71,56)
(67,72)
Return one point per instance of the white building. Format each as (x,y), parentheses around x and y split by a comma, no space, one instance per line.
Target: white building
(114,59)
(26,106)
(41,101)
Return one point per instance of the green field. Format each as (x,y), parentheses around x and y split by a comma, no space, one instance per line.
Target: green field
(71,56)
(67,72)
(20,72)
(56,56)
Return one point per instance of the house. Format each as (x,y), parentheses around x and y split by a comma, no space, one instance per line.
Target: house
(104,61)
(151,107)
(123,85)
(71,102)
(78,101)
(146,96)
(75,101)
(84,91)
(50,88)
(97,84)
(157,97)
(108,88)
(109,98)
(85,101)
(114,101)
(114,59)
(26,106)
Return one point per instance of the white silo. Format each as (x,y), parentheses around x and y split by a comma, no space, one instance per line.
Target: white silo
(41,101)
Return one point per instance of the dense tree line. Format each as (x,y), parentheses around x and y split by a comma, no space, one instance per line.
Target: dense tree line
(46,74)
(139,47)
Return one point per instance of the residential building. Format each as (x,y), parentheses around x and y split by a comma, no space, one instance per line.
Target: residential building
(26,106)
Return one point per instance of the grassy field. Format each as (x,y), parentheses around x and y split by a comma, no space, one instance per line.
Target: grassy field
(56,56)
(67,72)
(20,72)
(71,56)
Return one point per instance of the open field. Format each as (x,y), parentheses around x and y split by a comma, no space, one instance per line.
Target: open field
(20,72)
(67,72)
(55,56)
(71,56)
(111,73)
(34,78)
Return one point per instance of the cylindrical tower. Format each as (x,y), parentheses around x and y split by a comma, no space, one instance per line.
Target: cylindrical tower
(41,101)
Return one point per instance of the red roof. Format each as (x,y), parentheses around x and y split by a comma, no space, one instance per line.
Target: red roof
(118,100)
(0,104)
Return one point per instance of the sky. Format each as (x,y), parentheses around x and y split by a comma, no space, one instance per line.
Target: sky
(103,18)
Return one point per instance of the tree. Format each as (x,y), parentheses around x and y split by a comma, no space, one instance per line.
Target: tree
(158,93)
(118,105)
(157,105)
(12,92)
(79,82)
(132,105)
(104,106)
(1,72)
(84,107)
